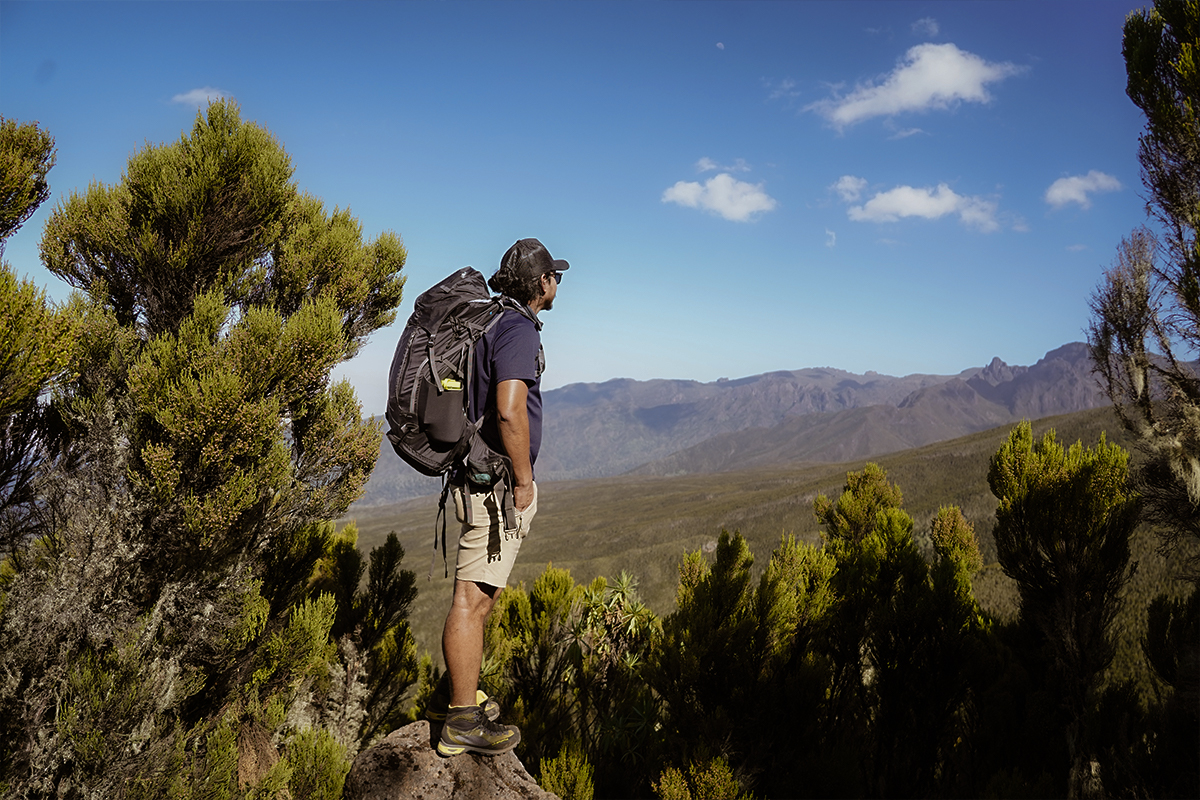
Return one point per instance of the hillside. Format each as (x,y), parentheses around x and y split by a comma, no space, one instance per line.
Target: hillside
(606,429)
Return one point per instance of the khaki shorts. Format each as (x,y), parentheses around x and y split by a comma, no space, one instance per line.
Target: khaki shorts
(486,551)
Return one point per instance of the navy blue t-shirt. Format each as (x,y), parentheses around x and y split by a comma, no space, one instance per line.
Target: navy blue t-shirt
(511,350)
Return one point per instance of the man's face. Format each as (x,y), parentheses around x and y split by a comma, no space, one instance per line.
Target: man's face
(549,289)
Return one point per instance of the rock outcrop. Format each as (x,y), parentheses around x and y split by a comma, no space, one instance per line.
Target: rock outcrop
(405,765)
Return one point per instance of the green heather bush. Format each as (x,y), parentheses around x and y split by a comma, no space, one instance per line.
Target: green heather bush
(35,337)
(568,775)
(319,765)
(173,597)
(1062,532)
(565,663)
(713,781)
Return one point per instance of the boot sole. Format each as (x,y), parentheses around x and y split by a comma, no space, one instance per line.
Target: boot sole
(447,750)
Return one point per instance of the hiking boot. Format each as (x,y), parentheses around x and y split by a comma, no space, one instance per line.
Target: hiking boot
(436,710)
(469,729)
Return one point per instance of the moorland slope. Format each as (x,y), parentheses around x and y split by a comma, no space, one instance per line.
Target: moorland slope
(664,427)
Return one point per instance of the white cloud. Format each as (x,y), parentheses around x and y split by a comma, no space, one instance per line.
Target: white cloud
(706,164)
(909,201)
(722,194)
(849,188)
(926,26)
(1078,188)
(198,98)
(830,238)
(1077,248)
(720,45)
(930,76)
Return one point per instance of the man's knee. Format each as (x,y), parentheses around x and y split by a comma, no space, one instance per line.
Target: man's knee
(474,598)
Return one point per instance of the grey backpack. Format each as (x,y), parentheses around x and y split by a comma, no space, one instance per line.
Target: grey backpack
(430,422)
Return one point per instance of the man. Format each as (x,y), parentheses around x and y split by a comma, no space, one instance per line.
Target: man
(506,392)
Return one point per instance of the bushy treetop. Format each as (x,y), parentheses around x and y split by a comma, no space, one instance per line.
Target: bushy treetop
(217,211)
(26,156)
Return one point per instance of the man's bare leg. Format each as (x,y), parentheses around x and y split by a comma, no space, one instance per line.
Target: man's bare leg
(462,638)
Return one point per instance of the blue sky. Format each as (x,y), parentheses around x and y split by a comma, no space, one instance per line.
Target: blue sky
(740,187)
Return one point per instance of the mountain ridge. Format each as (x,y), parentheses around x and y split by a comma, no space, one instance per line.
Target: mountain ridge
(1059,383)
(667,426)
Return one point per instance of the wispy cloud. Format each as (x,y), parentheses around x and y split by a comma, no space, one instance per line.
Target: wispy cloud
(930,76)
(707,164)
(896,132)
(198,98)
(910,201)
(784,89)
(849,188)
(830,238)
(723,195)
(926,26)
(1080,188)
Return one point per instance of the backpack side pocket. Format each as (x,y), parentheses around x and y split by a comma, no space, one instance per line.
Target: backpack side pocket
(443,414)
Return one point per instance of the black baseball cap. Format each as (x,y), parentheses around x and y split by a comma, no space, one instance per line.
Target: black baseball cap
(530,258)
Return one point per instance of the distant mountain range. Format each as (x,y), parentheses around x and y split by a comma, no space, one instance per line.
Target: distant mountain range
(671,427)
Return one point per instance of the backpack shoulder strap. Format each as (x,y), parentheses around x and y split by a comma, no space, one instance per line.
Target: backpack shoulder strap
(522,309)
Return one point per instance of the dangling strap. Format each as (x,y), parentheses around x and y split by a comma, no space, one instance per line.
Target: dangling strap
(441,515)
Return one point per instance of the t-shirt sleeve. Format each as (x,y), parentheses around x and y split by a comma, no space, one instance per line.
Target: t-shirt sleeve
(515,354)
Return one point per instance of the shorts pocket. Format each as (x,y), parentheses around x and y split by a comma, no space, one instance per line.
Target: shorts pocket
(525,517)
(459,496)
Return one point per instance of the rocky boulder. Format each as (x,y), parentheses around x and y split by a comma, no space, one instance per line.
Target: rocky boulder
(405,765)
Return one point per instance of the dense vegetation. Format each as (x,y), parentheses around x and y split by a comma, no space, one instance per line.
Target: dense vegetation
(181,617)
(860,667)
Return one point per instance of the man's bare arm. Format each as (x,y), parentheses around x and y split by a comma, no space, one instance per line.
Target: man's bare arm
(512,416)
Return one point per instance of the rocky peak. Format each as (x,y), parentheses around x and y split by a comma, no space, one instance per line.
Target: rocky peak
(405,765)
(997,372)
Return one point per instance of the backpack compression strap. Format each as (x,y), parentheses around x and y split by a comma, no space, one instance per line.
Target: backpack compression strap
(441,516)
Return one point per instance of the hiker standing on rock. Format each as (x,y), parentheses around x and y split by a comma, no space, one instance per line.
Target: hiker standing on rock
(505,391)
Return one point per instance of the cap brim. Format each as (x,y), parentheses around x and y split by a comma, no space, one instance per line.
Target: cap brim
(560,265)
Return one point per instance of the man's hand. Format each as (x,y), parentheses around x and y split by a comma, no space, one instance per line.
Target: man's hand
(522,496)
